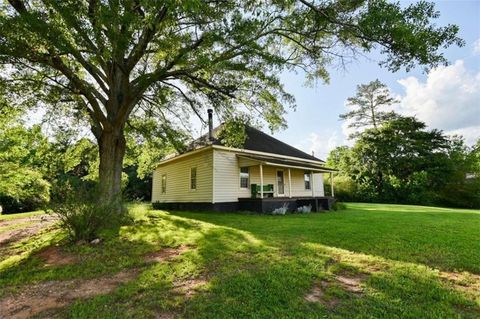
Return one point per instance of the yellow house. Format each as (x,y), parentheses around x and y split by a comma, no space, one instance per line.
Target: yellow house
(262,175)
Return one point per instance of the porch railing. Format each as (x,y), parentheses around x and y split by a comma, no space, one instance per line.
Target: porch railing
(256,190)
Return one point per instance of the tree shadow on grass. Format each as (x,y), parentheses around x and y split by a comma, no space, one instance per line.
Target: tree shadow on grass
(446,241)
(247,274)
(250,278)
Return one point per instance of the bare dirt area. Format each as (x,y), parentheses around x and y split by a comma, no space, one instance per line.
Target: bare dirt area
(55,256)
(351,283)
(56,294)
(31,226)
(465,281)
(189,287)
(165,254)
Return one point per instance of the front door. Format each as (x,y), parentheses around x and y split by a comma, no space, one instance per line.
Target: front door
(280,183)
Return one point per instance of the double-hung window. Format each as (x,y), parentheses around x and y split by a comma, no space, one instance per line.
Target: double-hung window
(193,178)
(306,178)
(244,177)
(164,183)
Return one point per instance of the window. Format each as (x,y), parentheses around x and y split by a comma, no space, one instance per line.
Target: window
(193,178)
(244,177)
(306,178)
(164,184)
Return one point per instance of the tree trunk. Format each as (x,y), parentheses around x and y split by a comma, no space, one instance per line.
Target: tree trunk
(112,150)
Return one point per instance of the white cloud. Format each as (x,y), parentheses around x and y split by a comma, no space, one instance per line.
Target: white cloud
(449,99)
(321,146)
(476,47)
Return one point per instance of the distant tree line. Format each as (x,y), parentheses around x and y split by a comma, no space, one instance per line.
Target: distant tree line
(36,168)
(397,159)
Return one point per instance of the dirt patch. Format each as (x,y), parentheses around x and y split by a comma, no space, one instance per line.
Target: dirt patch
(164,316)
(56,294)
(165,254)
(351,283)
(55,256)
(189,287)
(33,225)
(317,295)
(463,281)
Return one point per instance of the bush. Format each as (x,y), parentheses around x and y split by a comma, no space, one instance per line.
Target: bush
(84,217)
(304,209)
(338,206)
(281,210)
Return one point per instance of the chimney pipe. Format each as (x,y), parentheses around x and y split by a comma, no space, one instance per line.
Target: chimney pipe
(210,124)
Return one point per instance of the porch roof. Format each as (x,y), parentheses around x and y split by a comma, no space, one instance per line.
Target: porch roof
(265,160)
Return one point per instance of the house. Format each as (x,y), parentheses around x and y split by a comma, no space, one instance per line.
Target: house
(262,175)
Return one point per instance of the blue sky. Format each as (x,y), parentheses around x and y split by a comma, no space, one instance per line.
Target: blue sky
(446,98)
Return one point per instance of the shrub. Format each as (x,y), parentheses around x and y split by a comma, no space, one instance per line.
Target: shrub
(304,209)
(281,210)
(84,217)
(338,206)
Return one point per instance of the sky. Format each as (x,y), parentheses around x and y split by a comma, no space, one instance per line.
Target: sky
(446,98)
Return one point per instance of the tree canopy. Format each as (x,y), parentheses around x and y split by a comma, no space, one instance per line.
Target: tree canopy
(368,103)
(107,61)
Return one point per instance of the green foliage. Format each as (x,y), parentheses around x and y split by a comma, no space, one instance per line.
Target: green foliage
(23,186)
(338,206)
(239,261)
(233,133)
(403,162)
(370,99)
(84,217)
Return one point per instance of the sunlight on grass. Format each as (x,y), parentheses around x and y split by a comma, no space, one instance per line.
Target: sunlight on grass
(407,265)
(20,215)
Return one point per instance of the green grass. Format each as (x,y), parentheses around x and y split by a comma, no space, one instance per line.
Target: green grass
(20,215)
(260,266)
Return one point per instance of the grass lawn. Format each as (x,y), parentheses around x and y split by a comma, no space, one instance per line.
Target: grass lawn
(368,261)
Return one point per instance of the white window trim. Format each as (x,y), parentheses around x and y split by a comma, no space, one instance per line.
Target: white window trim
(310,181)
(240,178)
(276,182)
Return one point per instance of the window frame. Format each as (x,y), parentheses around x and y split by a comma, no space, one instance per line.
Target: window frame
(242,177)
(163,184)
(309,181)
(191,178)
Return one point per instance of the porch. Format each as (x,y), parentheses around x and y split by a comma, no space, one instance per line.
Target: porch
(269,183)
(268,204)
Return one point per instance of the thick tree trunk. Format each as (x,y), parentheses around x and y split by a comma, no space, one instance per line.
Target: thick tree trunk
(112,150)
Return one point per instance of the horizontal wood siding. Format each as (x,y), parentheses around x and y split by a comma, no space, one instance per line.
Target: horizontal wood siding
(178,179)
(226,176)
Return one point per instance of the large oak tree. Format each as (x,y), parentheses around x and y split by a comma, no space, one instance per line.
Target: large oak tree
(110,60)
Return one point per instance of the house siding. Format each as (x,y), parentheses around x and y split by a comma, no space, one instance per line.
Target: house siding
(226,175)
(178,179)
(227,178)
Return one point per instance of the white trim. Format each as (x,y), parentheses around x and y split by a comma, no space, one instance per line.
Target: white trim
(276,182)
(289,184)
(261,181)
(198,150)
(312,183)
(298,167)
(238,150)
(331,184)
(213,178)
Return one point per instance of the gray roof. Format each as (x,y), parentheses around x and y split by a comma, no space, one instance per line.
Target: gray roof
(258,141)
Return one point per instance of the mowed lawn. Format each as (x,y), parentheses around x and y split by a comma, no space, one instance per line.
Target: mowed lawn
(368,261)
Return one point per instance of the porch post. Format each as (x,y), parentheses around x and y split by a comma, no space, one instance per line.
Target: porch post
(261,181)
(289,184)
(331,183)
(312,183)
